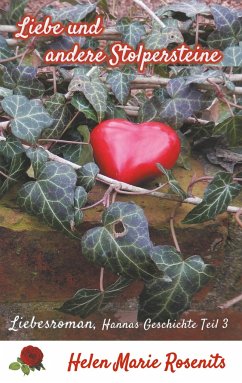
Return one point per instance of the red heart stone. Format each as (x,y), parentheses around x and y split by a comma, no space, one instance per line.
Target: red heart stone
(129,152)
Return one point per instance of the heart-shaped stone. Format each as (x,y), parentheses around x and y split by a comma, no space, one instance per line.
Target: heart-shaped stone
(129,152)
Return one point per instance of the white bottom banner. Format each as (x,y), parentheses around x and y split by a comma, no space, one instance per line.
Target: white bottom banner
(156,361)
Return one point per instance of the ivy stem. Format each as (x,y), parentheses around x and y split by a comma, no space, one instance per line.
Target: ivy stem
(6,176)
(63,141)
(173,232)
(197,30)
(237,217)
(68,125)
(150,12)
(101,279)
(231,302)
(4,125)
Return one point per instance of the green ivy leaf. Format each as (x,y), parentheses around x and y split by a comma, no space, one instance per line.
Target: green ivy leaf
(59,111)
(38,158)
(229,31)
(120,81)
(51,196)
(190,8)
(218,195)
(113,111)
(25,369)
(14,366)
(164,299)
(231,128)
(94,91)
(87,301)
(16,10)
(22,80)
(161,38)
(184,101)
(80,199)
(72,13)
(148,111)
(131,31)
(14,169)
(232,56)
(5,51)
(174,185)
(80,102)
(86,175)
(11,147)
(127,252)
(29,117)
(5,92)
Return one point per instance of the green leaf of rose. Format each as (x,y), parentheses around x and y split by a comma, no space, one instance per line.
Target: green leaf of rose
(14,366)
(25,369)
(124,250)
(29,117)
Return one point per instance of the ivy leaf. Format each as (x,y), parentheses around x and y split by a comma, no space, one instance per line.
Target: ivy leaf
(113,111)
(51,196)
(14,169)
(232,56)
(38,158)
(184,101)
(94,91)
(231,128)
(73,13)
(217,198)
(80,199)
(22,80)
(77,153)
(225,18)
(166,299)
(147,111)
(131,31)
(11,147)
(65,43)
(80,102)
(16,10)
(127,252)
(14,366)
(161,38)
(29,117)
(5,51)
(174,185)
(86,175)
(189,8)
(120,81)
(87,301)
(59,111)
(228,26)
(5,92)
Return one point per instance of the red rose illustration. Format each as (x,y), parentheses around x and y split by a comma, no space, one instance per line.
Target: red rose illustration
(30,360)
(32,356)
